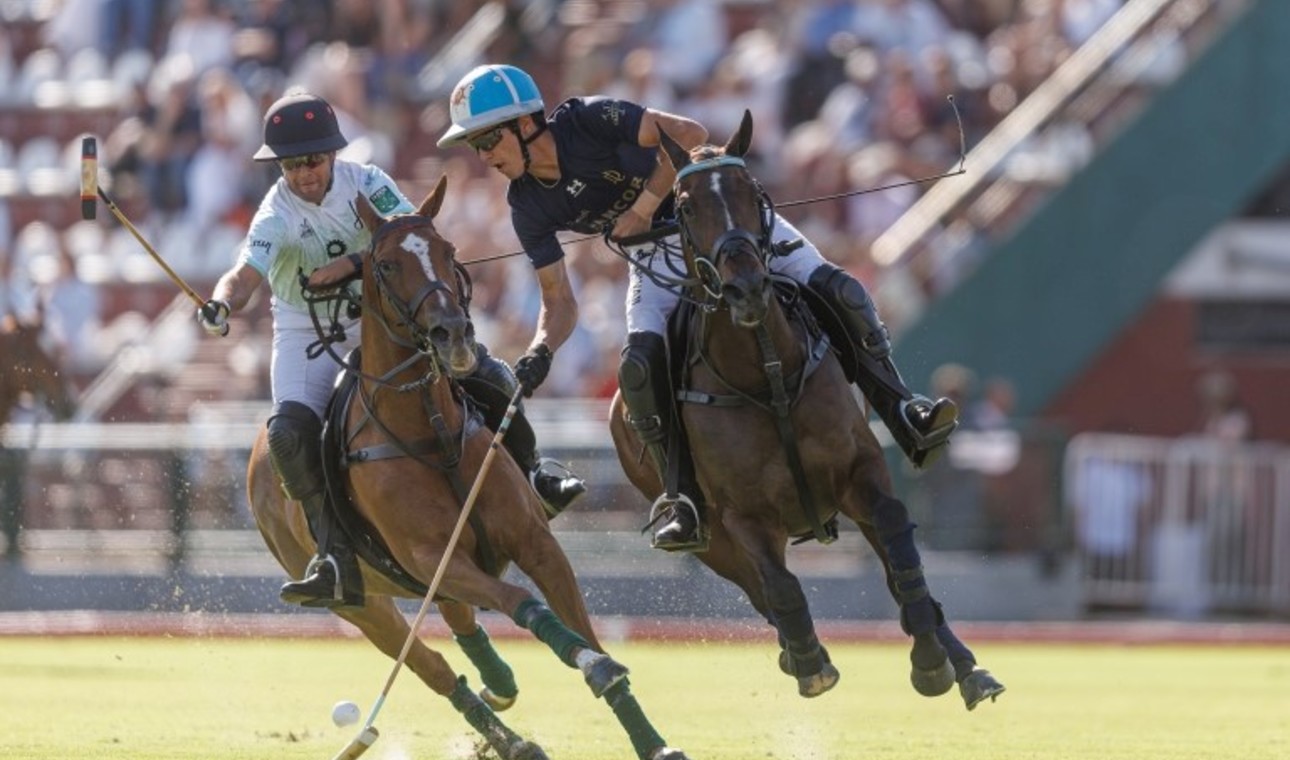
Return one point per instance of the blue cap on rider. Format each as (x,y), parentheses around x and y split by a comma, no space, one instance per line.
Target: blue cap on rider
(489,96)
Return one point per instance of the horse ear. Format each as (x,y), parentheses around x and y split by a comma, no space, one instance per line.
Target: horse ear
(741,140)
(434,199)
(370,217)
(675,153)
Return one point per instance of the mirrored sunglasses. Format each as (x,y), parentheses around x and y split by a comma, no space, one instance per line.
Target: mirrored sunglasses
(487,140)
(311,160)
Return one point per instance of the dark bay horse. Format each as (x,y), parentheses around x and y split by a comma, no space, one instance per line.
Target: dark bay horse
(27,369)
(780,446)
(416,336)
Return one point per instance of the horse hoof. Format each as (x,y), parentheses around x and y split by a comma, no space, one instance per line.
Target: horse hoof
(603,673)
(814,686)
(932,674)
(668,753)
(496,701)
(787,667)
(978,686)
(527,751)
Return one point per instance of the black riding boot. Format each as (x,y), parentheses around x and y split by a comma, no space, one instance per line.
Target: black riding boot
(333,578)
(647,392)
(491,386)
(920,426)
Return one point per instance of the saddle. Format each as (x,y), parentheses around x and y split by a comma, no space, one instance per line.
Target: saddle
(365,540)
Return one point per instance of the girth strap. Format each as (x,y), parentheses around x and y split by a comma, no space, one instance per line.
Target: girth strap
(782,404)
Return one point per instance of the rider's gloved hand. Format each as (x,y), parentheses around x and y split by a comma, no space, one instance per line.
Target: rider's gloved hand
(532,368)
(213,317)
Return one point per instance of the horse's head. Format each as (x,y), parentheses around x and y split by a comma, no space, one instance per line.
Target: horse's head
(725,221)
(29,368)
(417,289)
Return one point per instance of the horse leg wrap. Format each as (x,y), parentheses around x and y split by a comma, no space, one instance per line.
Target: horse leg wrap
(805,656)
(632,718)
(493,671)
(919,612)
(962,657)
(548,629)
(482,718)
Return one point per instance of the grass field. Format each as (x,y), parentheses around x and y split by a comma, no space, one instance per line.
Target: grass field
(218,699)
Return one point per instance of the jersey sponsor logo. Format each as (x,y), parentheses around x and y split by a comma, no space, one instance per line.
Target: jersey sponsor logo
(257,243)
(612,112)
(384,200)
(614,176)
(306,231)
(575,187)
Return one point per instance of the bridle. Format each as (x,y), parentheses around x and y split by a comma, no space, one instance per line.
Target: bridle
(734,241)
(403,330)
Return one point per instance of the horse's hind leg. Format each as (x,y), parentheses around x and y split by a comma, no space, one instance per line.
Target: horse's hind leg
(499,681)
(383,624)
(920,614)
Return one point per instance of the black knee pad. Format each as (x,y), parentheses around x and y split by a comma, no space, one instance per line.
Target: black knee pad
(295,434)
(644,354)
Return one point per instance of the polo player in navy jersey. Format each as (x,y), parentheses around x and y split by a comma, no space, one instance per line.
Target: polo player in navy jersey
(594,164)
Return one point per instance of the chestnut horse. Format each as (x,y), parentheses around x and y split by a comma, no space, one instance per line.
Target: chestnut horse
(416,336)
(780,444)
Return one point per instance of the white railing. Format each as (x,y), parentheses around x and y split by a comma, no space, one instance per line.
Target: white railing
(1181,526)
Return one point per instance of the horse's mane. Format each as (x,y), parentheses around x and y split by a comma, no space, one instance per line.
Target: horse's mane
(705,152)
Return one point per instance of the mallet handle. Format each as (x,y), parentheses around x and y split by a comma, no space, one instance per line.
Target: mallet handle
(175,278)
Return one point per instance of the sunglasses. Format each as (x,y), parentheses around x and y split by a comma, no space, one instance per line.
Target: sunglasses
(488,140)
(312,160)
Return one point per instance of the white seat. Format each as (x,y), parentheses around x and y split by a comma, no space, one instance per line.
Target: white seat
(38,165)
(40,68)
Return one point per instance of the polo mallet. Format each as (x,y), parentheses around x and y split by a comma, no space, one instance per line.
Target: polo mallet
(90,188)
(367,735)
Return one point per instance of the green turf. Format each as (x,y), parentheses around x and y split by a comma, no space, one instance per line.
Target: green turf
(220,699)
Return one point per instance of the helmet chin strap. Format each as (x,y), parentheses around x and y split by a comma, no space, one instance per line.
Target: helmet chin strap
(524,141)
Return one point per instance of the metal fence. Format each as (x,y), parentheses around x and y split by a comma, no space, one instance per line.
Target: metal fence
(1188,527)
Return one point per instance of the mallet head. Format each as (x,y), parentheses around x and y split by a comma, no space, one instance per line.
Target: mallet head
(361,743)
(89,178)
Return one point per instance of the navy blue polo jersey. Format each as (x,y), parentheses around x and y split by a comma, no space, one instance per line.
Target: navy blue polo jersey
(602,172)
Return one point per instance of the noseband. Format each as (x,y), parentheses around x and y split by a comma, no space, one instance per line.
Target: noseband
(733,241)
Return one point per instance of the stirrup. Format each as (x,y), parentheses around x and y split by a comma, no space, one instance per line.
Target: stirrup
(559,470)
(294,592)
(924,448)
(665,505)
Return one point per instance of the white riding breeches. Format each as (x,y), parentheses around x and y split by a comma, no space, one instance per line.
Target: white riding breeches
(296,377)
(649,305)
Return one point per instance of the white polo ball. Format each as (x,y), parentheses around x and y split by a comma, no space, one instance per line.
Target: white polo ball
(345,714)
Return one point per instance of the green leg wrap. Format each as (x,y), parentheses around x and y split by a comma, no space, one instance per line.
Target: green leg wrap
(493,670)
(482,718)
(629,713)
(548,629)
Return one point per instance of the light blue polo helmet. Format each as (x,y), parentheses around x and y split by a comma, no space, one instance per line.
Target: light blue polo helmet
(488,96)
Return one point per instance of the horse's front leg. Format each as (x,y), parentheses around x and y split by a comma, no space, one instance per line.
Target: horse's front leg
(976,684)
(605,676)
(920,613)
(388,629)
(499,689)
(802,657)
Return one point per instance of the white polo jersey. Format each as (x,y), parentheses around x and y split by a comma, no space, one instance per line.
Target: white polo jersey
(290,235)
